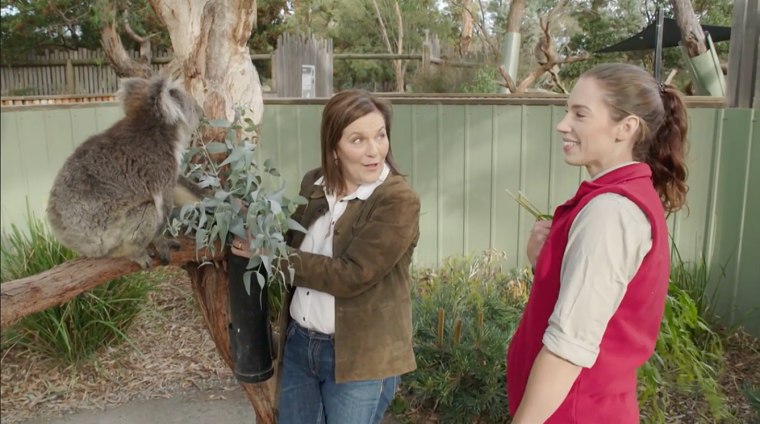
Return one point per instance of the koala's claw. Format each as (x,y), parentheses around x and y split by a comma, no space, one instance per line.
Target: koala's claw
(144,260)
(163,249)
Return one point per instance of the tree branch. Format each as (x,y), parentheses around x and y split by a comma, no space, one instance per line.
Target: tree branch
(25,296)
(145,51)
(383,30)
(509,83)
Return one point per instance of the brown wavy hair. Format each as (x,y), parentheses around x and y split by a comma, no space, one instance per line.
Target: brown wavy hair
(340,111)
(661,140)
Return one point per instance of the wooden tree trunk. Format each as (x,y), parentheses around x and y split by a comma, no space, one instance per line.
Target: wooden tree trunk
(514,18)
(210,290)
(211,56)
(114,50)
(691,31)
(399,66)
(465,38)
(209,39)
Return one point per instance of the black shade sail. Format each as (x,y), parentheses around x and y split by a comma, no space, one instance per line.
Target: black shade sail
(671,35)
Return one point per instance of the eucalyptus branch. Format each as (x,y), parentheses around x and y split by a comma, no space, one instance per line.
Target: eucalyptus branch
(246,199)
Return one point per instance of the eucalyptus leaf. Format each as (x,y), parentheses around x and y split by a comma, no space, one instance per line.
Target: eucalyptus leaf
(219,123)
(262,280)
(216,147)
(247,281)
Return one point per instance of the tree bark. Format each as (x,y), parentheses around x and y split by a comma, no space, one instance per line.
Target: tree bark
(114,50)
(211,56)
(210,290)
(209,39)
(514,18)
(691,31)
(399,66)
(465,37)
(25,296)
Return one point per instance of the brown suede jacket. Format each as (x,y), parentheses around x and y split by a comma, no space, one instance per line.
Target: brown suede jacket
(368,274)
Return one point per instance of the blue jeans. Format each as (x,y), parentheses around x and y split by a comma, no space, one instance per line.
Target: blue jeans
(309,393)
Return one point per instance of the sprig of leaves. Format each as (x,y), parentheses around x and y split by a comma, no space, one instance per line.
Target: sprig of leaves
(529,206)
(246,199)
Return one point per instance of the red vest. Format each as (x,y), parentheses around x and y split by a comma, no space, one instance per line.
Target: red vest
(606,392)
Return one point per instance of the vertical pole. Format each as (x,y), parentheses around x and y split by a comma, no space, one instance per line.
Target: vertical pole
(70,83)
(273,70)
(658,47)
(426,52)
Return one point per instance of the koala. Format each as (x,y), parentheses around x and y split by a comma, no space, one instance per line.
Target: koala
(112,196)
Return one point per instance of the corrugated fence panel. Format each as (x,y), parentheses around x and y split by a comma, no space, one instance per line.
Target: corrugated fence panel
(460,158)
(506,148)
(737,239)
(748,278)
(478,146)
(426,179)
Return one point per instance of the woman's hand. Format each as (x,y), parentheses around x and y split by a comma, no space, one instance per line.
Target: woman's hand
(241,247)
(538,236)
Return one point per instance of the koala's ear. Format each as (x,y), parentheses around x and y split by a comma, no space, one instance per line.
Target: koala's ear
(130,88)
(168,99)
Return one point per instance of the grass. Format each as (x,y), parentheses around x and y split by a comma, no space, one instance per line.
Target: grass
(72,331)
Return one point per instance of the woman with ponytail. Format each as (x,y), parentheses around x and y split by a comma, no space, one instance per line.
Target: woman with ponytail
(602,262)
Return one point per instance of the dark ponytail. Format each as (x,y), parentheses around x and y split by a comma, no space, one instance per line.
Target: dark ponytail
(661,142)
(667,151)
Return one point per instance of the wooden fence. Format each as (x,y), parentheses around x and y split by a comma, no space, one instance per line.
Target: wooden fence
(303,66)
(78,72)
(88,73)
(744,56)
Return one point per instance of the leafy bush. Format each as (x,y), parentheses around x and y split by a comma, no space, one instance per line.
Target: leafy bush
(449,79)
(688,356)
(466,311)
(74,330)
(483,81)
(752,392)
(464,315)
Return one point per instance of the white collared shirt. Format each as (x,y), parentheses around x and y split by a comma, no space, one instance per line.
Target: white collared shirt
(311,308)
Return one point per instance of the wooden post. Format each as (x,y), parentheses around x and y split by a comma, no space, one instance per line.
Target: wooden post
(426,51)
(71,85)
(273,71)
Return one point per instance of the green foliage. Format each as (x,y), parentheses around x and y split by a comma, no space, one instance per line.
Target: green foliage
(483,81)
(693,278)
(466,311)
(73,331)
(752,392)
(464,315)
(243,203)
(35,25)
(689,354)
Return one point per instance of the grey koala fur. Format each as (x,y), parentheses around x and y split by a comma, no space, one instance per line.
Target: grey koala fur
(113,194)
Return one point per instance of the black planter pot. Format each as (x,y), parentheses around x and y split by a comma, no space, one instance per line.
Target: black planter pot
(249,330)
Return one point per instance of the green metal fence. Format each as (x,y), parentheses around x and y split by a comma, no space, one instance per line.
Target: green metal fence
(460,156)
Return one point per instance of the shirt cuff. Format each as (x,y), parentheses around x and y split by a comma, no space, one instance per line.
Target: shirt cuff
(568,349)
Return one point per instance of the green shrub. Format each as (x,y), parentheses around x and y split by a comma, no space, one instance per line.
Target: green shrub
(483,81)
(74,330)
(466,311)
(752,392)
(688,356)
(464,315)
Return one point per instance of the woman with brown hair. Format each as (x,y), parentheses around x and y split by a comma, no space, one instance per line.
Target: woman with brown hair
(602,263)
(346,324)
